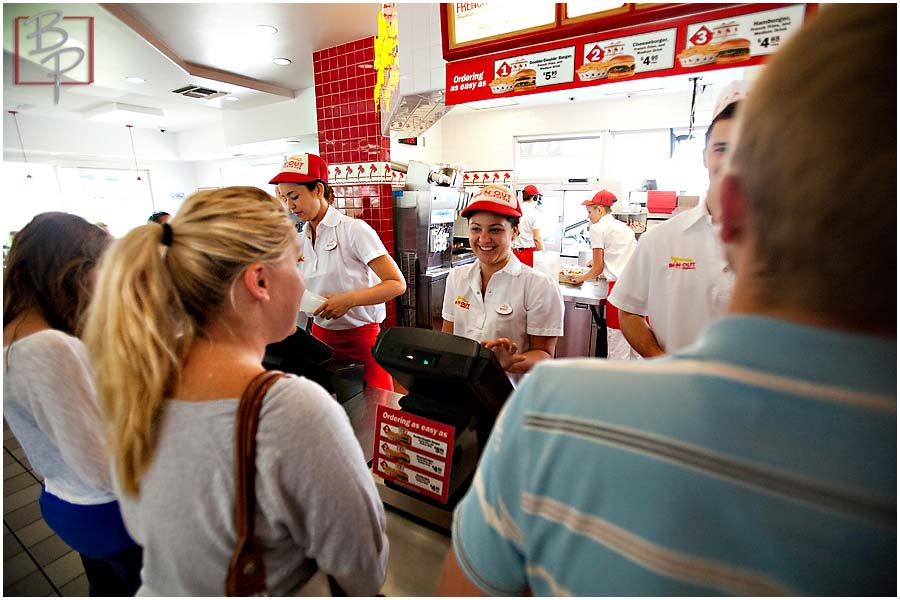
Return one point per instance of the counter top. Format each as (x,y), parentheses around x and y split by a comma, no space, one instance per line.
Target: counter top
(589,292)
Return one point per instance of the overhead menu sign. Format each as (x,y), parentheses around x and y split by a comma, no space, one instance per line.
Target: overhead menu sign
(624,57)
(737,39)
(581,8)
(413,452)
(738,36)
(472,22)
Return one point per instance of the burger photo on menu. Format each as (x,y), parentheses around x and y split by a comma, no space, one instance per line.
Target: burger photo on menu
(694,56)
(620,66)
(592,71)
(732,51)
(502,85)
(526,79)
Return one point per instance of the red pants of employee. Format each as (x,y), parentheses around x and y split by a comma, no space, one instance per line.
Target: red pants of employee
(525,255)
(355,346)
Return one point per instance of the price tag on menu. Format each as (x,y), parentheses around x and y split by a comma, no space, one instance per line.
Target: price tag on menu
(530,71)
(733,40)
(623,57)
(413,452)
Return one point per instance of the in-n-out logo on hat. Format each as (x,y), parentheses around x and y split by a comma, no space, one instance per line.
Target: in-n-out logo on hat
(496,199)
(302,169)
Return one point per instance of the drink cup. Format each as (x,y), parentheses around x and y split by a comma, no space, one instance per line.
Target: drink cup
(310,301)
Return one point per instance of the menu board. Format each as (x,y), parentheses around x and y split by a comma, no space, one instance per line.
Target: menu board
(472,22)
(734,40)
(413,452)
(523,73)
(583,8)
(619,58)
(738,36)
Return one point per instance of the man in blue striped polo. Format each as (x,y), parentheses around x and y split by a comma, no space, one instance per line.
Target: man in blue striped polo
(760,460)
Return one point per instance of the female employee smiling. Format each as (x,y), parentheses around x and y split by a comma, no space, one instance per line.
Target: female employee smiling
(343,260)
(509,307)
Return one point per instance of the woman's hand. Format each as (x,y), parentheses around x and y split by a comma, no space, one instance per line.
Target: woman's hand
(336,306)
(506,353)
(577,279)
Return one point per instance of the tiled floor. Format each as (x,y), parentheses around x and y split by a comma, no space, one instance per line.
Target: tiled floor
(35,561)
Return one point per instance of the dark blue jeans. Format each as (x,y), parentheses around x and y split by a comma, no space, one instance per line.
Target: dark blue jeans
(111,559)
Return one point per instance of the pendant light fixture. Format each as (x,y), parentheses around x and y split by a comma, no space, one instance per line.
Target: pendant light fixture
(21,145)
(133,153)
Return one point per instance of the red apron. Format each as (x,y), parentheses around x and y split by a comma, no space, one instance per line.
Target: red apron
(525,255)
(355,346)
(612,313)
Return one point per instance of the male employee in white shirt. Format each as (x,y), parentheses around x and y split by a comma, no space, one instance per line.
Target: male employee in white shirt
(678,276)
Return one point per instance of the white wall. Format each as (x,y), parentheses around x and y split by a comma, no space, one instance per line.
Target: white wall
(421,55)
(292,118)
(84,139)
(430,149)
(485,139)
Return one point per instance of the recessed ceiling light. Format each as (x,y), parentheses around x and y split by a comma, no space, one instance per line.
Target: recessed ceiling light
(266,29)
(232,98)
(135,80)
(366,66)
(283,62)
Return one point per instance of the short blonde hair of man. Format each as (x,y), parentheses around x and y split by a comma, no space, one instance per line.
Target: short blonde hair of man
(815,154)
(152,301)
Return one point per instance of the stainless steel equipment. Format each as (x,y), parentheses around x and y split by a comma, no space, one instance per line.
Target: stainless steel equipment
(584,325)
(423,225)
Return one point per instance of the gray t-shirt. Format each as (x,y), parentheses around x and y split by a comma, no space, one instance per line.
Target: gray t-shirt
(316,499)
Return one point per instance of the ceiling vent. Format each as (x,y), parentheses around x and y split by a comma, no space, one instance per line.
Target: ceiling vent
(197,91)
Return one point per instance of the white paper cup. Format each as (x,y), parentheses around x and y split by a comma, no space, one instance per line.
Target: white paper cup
(310,301)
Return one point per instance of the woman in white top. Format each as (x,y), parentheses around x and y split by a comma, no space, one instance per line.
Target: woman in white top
(529,238)
(177,329)
(344,260)
(510,308)
(49,399)
(612,244)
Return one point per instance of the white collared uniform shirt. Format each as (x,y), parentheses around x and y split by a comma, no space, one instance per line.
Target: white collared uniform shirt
(518,302)
(339,262)
(527,224)
(678,276)
(616,239)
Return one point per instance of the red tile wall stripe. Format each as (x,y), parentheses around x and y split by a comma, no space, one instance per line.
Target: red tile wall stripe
(350,132)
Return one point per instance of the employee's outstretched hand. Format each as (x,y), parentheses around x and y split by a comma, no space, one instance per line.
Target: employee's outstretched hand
(506,352)
(335,306)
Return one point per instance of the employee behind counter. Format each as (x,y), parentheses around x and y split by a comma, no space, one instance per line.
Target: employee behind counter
(344,260)
(510,308)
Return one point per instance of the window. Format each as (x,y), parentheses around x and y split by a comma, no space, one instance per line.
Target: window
(559,158)
(24,198)
(111,196)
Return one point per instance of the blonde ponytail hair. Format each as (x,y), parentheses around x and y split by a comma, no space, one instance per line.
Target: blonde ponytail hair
(152,301)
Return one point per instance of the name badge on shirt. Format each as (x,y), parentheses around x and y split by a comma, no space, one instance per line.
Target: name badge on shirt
(331,245)
(504,309)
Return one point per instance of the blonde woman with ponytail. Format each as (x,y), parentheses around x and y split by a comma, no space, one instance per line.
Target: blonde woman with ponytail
(177,329)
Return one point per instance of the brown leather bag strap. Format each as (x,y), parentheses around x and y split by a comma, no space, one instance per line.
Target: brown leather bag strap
(247,571)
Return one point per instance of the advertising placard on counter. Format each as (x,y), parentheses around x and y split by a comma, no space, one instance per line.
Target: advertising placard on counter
(413,452)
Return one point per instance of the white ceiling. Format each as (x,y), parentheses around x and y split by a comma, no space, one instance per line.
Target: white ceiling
(218,41)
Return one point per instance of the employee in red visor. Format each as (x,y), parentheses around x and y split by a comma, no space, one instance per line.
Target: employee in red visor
(529,238)
(344,260)
(510,308)
(612,243)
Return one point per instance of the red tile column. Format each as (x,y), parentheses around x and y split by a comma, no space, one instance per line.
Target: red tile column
(350,132)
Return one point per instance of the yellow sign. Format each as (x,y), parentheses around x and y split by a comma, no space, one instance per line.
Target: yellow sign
(387,61)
